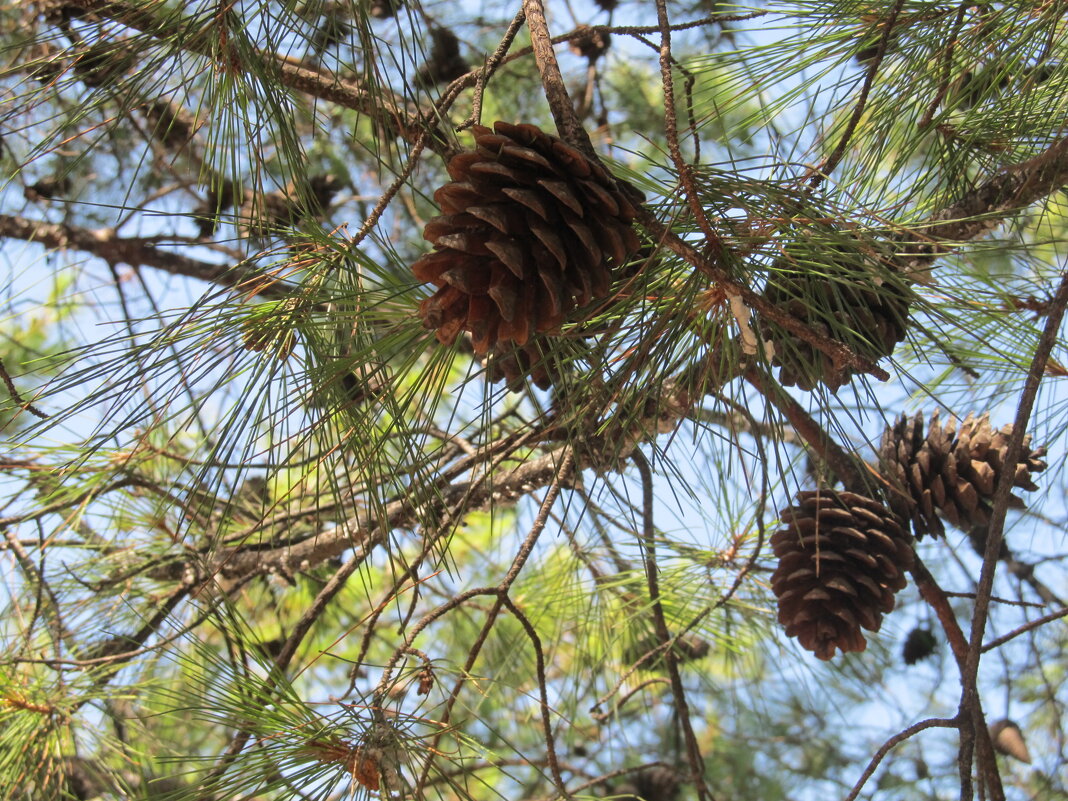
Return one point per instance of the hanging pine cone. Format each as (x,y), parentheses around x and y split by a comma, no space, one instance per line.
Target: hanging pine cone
(1009,740)
(530,230)
(653,783)
(919,645)
(951,474)
(589,42)
(842,557)
(444,63)
(848,296)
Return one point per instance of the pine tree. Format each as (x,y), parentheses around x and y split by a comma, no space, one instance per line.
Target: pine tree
(398,399)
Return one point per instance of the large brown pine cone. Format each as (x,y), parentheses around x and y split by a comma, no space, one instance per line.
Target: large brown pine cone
(850,297)
(949,473)
(530,230)
(842,558)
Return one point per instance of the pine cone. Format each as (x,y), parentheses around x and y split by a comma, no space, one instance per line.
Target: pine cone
(653,783)
(853,299)
(689,648)
(1009,740)
(530,230)
(47,188)
(951,474)
(172,125)
(919,645)
(589,42)
(289,207)
(444,63)
(842,557)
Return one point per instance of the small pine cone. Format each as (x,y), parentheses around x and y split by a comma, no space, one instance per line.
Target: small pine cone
(919,645)
(862,305)
(270,330)
(1009,740)
(842,558)
(688,648)
(589,42)
(530,230)
(653,783)
(444,63)
(172,125)
(950,474)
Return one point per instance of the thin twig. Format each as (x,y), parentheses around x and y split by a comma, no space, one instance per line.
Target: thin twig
(490,67)
(543,693)
(929,113)
(15,394)
(901,736)
(693,749)
(1026,627)
(693,199)
(562,469)
(829,164)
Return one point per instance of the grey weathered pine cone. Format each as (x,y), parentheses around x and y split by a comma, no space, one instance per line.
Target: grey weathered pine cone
(842,558)
(939,472)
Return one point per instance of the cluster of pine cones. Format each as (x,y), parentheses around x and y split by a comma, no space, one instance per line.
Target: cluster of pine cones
(531,231)
(843,556)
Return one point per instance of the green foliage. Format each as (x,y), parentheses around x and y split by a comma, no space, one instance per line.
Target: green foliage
(270,534)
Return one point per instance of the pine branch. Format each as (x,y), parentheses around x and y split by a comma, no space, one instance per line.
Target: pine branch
(387,109)
(988,205)
(105,244)
(365,533)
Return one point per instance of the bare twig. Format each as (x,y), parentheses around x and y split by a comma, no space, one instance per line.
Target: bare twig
(682,709)
(829,164)
(1026,627)
(141,251)
(543,692)
(13,391)
(380,105)
(995,533)
(552,81)
(901,736)
(693,199)
(490,67)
